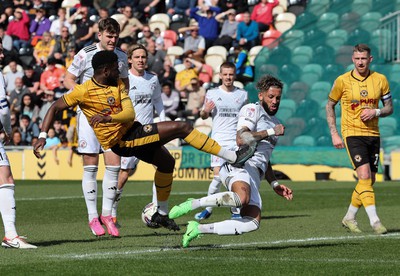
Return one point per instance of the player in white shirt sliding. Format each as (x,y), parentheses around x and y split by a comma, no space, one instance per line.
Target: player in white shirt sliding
(257,122)
(80,71)
(223,105)
(145,93)
(7,186)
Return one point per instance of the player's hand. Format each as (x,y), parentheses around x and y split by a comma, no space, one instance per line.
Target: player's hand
(337,141)
(38,146)
(367,114)
(6,138)
(99,119)
(208,105)
(279,130)
(284,191)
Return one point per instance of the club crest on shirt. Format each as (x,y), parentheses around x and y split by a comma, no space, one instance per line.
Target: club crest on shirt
(111,100)
(357,158)
(250,112)
(153,86)
(147,128)
(82,144)
(364,93)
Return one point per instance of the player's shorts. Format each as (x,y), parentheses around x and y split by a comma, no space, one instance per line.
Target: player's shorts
(3,156)
(129,162)
(141,141)
(363,150)
(249,174)
(87,140)
(217,161)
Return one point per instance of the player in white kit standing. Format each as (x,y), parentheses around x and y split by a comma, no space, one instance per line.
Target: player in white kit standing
(80,71)
(145,93)
(7,185)
(257,122)
(223,105)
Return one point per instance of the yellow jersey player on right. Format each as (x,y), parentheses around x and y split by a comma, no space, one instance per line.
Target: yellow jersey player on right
(106,105)
(359,92)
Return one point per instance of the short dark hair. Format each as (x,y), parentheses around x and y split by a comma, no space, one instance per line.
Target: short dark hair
(268,81)
(227,64)
(362,48)
(103,58)
(109,25)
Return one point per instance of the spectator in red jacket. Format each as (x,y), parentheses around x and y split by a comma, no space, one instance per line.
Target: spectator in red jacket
(18,29)
(262,14)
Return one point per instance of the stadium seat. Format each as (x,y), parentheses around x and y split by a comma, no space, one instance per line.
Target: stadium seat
(384,6)
(170,38)
(370,21)
(251,92)
(311,73)
(302,55)
(277,10)
(331,72)
(361,6)
(394,72)
(279,55)
(305,21)
(307,109)
(316,127)
(341,7)
(317,7)
(292,38)
(349,21)
(343,55)
(253,53)
(159,20)
(287,108)
(217,50)
(304,141)
(324,141)
(319,91)
(314,37)
(206,74)
(271,38)
(173,52)
(358,35)
(260,59)
(323,55)
(290,73)
(214,61)
(264,69)
(297,91)
(391,143)
(179,67)
(284,21)
(216,78)
(381,39)
(238,84)
(297,7)
(336,38)
(204,126)
(239,17)
(387,126)
(328,22)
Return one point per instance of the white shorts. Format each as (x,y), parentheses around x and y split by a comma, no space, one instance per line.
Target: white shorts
(87,140)
(129,162)
(3,156)
(249,174)
(217,161)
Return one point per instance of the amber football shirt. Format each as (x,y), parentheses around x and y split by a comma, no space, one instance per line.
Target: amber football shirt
(356,94)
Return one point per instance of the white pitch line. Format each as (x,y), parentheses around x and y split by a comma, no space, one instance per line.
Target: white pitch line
(102,255)
(77,197)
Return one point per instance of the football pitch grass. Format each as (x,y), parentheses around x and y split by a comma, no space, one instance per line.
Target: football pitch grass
(301,237)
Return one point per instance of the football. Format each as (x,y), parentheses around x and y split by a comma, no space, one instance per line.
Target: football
(147,213)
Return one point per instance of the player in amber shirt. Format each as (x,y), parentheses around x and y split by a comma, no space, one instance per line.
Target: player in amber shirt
(359,92)
(106,105)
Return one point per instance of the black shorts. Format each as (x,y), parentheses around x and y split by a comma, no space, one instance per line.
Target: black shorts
(141,141)
(364,150)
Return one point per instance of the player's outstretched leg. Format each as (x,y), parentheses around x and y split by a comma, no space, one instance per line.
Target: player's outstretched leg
(192,233)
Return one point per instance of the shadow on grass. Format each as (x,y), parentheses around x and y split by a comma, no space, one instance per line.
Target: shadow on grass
(284,217)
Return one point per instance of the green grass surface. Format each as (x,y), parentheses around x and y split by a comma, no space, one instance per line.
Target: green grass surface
(302,237)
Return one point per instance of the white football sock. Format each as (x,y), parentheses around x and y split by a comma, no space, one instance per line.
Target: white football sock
(89,187)
(351,213)
(8,210)
(118,196)
(163,207)
(154,200)
(236,226)
(214,188)
(222,199)
(372,215)
(109,185)
(228,155)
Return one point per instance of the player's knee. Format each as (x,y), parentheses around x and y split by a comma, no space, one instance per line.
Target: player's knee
(248,224)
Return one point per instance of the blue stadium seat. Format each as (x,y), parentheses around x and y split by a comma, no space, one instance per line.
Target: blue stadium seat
(361,6)
(316,127)
(387,126)
(349,21)
(331,72)
(251,92)
(328,22)
(311,73)
(280,55)
(264,69)
(307,109)
(317,7)
(305,21)
(304,141)
(319,91)
(297,91)
(314,37)
(357,36)
(370,21)
(343,55)
(391,143)
(323,54)
(336,38)
(302,55)
(381,39)
(290,73)
(292,38)
(384,6)
(287,108)
(341,7)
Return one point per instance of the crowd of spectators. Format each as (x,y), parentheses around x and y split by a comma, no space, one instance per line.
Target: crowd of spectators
(41,37)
